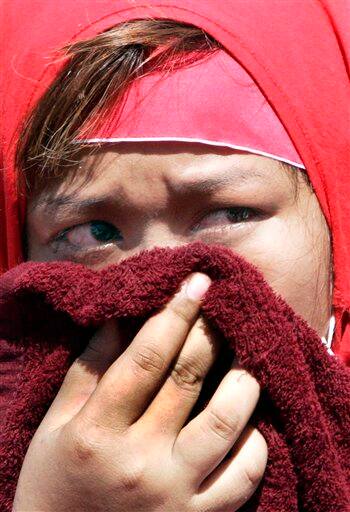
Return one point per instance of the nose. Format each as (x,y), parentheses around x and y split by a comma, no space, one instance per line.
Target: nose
(157,235)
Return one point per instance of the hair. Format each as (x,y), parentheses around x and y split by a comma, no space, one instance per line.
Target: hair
(97,73)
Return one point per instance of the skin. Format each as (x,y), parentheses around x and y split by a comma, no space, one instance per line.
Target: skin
(164,195)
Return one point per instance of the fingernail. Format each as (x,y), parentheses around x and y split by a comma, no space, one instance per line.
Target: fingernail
(197,286)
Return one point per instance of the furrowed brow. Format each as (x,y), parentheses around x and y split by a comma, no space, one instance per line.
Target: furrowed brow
(72,202)
(210,182)
(193,182)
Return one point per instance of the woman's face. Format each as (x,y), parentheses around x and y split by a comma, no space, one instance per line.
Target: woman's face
(134,196)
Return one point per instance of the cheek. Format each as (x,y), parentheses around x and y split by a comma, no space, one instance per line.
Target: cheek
(294,260)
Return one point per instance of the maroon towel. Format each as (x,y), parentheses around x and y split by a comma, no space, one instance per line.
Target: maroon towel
(48,312)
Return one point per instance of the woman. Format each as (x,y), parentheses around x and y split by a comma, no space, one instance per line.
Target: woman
(243,188)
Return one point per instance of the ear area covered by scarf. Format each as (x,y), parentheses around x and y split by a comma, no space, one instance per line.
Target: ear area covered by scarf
(48,311)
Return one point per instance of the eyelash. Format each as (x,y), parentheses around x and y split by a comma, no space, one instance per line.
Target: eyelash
(252,213)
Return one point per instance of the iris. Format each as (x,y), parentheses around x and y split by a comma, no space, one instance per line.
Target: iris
(105,232)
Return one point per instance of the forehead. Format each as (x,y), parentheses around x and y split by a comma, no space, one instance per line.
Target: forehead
(181,167)
(175,162)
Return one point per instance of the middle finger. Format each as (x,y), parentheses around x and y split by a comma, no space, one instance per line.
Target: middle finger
(130,383)
(203,443)
(172,406)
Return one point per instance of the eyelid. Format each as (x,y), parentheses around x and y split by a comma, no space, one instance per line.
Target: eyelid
(61,234)
(256,212)
(75,253)
(62,224)
(66,230)
(60,244)
(60,238)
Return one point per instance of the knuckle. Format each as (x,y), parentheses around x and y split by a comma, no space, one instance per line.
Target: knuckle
(252,474)
(87,447)
(83,444)
(133,477)
(222,425)
(183,310)
(149,359)
(255,466)
(188,374)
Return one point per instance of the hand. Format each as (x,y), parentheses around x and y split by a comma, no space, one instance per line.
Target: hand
(116,439)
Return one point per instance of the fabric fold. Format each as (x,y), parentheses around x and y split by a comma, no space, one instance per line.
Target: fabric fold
(304,410)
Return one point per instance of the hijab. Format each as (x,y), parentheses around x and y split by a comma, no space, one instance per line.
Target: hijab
(298,57)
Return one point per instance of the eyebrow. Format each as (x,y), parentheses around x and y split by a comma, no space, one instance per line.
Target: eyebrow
(236,176)
(69,202)
(211,182)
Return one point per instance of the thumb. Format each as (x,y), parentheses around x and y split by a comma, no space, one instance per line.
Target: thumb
(103,349)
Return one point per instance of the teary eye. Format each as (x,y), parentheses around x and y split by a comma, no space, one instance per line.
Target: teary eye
(225,216)
(104,232)
(239,214)
(90,234)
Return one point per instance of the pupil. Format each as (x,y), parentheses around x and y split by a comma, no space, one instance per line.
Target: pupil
(239,213)
(104,232)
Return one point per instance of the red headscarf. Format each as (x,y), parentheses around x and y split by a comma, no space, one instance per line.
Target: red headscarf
(297,54)
(212,101)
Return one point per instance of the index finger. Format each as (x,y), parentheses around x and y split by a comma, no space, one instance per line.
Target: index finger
(130,383)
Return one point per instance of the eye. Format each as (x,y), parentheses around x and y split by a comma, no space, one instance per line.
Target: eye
(227,216)
(89,235)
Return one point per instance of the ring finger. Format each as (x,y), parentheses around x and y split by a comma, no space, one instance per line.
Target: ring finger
(236,479)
